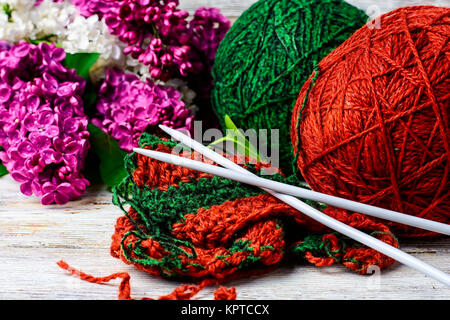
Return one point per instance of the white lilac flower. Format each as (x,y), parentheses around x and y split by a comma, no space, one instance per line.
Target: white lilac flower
(51,18)
(14,21)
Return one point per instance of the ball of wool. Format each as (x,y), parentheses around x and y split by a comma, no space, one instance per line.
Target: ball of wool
(266,56)
(372,123)
(183,224)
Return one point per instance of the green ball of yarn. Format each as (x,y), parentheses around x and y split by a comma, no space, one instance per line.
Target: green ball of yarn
(266,56)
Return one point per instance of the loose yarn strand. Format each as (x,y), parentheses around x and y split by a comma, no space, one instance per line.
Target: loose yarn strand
(183,292)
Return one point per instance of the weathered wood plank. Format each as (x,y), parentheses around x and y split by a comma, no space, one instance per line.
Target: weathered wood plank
(33,238)
(30,274)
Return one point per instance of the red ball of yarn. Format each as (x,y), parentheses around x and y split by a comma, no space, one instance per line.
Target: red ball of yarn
(372,122)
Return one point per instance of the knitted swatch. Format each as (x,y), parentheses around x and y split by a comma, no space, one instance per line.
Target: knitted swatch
(191,226)
(266,56)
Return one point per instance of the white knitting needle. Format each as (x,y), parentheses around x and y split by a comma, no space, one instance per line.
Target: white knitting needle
(306,209)
(302,192)
(353,233)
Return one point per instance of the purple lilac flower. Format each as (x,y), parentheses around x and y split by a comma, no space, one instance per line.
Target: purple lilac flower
(207,29)
(155,32)
(42,123)
(128,106)
(88,8)
(158,33)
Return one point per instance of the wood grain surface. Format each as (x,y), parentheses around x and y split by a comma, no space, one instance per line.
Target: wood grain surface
(34,237)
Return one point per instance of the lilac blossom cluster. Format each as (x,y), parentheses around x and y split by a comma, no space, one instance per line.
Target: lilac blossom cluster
(207,29)
(42,123)
(43,129)
(127,107)
(158,34)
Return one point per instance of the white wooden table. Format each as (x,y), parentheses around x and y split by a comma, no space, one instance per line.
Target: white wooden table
(34,237)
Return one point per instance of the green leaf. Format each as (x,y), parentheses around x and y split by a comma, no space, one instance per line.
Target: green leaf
(3,170)
(46,39)
(8,11)
(230,124)
(112,168)
(239,141)
(89,98)
(92,168)
(81,62)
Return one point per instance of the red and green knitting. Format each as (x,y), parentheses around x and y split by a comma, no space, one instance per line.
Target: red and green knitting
(191,226)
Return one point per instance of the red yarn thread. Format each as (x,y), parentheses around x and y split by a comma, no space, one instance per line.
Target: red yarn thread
(183,292)
(374,120)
